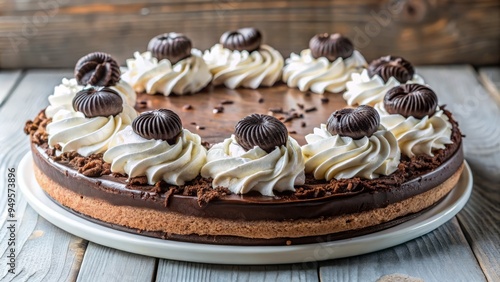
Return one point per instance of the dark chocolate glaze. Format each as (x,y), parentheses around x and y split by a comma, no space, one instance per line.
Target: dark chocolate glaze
(242,241)
(245,207)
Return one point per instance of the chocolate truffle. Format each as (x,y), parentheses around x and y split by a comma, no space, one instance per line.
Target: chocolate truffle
(247,39)
(263,131)
(355,123)
(171,46)
(97,69)
(98,101)
(394,66)
(161,124)
(411,100)
(331,46)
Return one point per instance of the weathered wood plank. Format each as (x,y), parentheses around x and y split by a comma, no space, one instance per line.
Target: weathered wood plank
(476,111)
(442,255)
(44,252)
(186,271)
(104,264)
(50,33)
(8,80)
(480,221)
(479,117)
(490,78)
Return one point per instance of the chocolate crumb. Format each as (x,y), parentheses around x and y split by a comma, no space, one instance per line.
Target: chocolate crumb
(168,195)
(292,132)
(307,94)
(218,109)
(139,180)
(261,100)
(226,102)
(303,124)
(301,106)
(193,123)
(187,107)
(324,100)
(206,144)
(311,109)
(199,127)
(276,110)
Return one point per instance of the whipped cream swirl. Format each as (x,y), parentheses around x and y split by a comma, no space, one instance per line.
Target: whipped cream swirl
(333,156)
(61,101)
(187,76)
(320,75)
(74,132)
(417,136)
(255,170)
(135,156)
(363,90)
(243,69)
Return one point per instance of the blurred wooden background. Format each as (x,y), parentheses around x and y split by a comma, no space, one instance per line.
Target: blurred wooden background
(55,33)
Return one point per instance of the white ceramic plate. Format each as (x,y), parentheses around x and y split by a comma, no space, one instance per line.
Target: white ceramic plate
(143,245)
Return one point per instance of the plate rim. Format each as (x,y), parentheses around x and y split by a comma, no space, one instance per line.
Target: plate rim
(241,255)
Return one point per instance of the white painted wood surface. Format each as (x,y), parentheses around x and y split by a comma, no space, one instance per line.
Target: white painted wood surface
(47,253)
(442,255)
(8,81)
(187,271)
(490,78)
(105,264)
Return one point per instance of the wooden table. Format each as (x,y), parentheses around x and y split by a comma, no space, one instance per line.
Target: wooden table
(464,249)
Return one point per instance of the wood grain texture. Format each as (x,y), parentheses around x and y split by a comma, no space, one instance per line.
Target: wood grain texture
(55,33)
(479,117)
(186,271)
(8,81)
(490,78)
(442,255)
(44,252)
(104,264)
(480,221)
(476,111)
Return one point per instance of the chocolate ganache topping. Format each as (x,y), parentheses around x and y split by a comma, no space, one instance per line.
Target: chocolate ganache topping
(394,66)
(97,69)
(161,124)
(263,131)
(411,100)
(355,123)
(171,46)
(247,38)
(98,102)
(331,46)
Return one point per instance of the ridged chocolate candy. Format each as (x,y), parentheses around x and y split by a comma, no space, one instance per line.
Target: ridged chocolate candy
(263,131)
(331,46)
(98,102)
(247,38)
(161,124)
(411,100)
(171,46)
(355,123)
(97,69)
(388,66)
